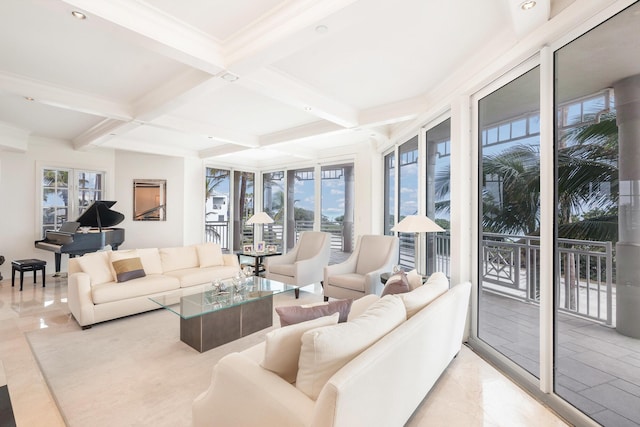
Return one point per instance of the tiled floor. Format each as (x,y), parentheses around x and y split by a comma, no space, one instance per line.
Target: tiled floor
(470,392)
(598,369)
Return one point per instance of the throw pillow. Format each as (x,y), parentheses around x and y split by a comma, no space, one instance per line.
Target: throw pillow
(290,315)
(420,297)
(396,284)
(127,269)
(209,255)
(96,265)
(327,349)
(117,256)
(282,346)
(414,279)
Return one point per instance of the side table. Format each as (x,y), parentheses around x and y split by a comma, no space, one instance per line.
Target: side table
(23,265)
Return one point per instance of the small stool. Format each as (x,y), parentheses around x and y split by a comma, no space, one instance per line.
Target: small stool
(23,265)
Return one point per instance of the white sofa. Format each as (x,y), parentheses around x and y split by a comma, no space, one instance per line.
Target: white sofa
(94,295)
(381,386)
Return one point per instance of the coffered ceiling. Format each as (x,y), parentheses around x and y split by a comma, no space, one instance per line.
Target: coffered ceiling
(247,81)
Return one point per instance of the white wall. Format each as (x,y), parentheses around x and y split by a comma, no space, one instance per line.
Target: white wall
(18,216)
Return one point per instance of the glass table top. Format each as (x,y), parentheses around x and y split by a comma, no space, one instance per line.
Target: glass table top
(220,295)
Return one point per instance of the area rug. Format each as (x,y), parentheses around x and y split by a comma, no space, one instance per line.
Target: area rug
(133,371)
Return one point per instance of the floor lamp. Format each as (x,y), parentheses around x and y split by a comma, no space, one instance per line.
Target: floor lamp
(258,218)
(417,224)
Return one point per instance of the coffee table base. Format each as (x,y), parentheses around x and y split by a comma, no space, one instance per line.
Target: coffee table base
(213,329)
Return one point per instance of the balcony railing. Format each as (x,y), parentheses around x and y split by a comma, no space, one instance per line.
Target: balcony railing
(510,266)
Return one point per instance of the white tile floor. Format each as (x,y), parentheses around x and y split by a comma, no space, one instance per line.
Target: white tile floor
(470,393)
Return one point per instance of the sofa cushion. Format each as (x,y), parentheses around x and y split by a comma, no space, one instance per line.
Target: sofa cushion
(128,269)
(327,349)
(360,305)
(192,276)
(282,349)
(141,287)
(293,314)
(151,261)
(97,266)
(209,255)
(179,258)
(420,297)
(396,284)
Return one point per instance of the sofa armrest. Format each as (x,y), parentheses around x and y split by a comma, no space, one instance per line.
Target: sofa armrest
(231,260)
(79,298)
(239,383)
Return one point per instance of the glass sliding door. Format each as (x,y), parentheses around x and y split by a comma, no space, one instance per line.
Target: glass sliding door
(438,156)
(408,198)
(389,192)
(273,205)
(243,209)
(597,258)
(217,207)
(509,190)
(338,198)
(300,203)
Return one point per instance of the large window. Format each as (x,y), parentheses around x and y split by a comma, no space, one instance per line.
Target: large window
(597,271)
(217,206)
(509,190)
(407,197)
(300,203)
(389,192)
(61,201)
(273,205)
(243,184)
(338,198)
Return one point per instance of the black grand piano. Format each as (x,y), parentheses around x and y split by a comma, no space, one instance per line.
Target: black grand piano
(68,240)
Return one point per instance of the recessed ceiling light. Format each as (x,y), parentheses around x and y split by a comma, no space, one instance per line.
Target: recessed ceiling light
(321,29)
(307,108)
(78,15)
(28,98)
(529,4)
(229,77)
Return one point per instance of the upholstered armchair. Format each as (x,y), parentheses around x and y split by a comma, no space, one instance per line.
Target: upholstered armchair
(304,264)
(359,275)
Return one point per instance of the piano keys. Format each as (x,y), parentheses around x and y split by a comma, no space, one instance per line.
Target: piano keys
(97,218)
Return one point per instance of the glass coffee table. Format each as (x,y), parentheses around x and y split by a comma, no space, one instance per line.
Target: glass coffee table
(214,317)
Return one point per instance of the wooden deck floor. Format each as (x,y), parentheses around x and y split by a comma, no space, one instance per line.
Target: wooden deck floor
(596,368)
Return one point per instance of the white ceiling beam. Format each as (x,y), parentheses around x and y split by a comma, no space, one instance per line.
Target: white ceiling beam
(220,150)
(277,85)
(158,31)
(103,132)
(192,127)
(397,112)
(61,97)
(301,132)
(140,146)
(13,138)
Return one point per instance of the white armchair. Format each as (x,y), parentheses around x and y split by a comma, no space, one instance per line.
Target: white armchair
(302,265)
(359,275)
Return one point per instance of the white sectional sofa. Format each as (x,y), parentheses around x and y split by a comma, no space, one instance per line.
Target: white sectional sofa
(95,294)
(373,370)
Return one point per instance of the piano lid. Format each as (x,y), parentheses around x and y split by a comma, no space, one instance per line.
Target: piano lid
(99,215)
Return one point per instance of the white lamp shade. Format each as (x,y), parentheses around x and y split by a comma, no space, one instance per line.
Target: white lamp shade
(259,218)
(417,224)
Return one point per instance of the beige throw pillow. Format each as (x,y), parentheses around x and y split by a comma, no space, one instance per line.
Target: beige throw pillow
(97,266)
(209,255)
(326,350)
(282,346)
(128,269)
(420,297)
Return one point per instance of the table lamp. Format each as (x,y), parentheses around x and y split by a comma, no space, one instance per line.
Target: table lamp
(417,224)
(258,218)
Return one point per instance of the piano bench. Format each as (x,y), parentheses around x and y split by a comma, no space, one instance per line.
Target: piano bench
(23,265)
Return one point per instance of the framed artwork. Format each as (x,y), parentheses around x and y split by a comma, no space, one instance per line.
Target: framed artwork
(247,248)
(258,247)
(271,248)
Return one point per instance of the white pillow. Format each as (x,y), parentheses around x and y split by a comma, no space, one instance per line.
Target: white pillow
(179,258)
(151,262)
(360,305)
(209,255)
(420,297)
(326,350)
(119,255)
(282,346)
(97,266)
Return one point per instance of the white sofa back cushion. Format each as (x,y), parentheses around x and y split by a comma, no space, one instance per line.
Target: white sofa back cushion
(97,266)
(325,350)
(151,261)
(179,258)
(414,301)
(209,255)
(282,346)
